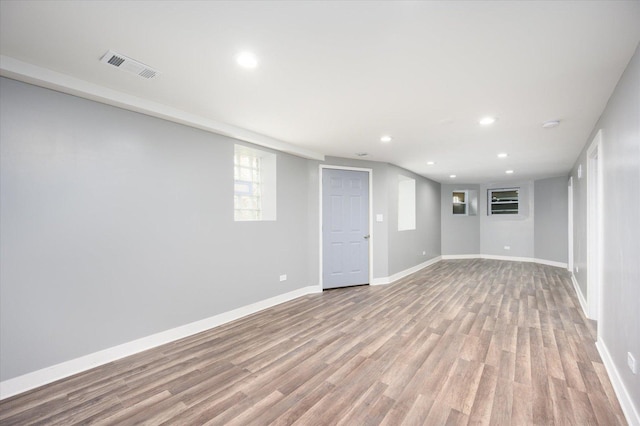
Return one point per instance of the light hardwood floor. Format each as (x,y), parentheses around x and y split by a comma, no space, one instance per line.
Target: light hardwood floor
(460,342)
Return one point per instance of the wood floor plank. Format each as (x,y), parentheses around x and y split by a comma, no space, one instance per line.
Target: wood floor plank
(459,391)
(456,418)
(399,411)
(606,385)
(581,408)
(303,405)
(483,403)
(206,409)
(341,399)
(521,407)
(562,408)
(361,408)
(572,373)
(378,411)
(158,400)
(501,412)
(421,409)
(542,404)
(475,341)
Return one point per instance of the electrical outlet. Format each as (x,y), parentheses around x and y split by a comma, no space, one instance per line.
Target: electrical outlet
(507,247)
(632,363)
(577,269)
(283,277)
(424,253)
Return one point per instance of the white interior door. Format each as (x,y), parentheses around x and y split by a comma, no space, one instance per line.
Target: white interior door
(345,228)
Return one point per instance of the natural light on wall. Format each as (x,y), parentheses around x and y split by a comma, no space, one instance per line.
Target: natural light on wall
(254,195)
(406,203)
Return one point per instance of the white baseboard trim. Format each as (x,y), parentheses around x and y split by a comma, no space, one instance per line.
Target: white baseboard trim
(628,408)
(509,258)
(562,265)
(461,256)
(402,274)
(583,301)
(50,374)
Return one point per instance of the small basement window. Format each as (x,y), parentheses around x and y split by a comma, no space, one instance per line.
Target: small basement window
(254,173)
(460,200)
(406,203)
(503,201)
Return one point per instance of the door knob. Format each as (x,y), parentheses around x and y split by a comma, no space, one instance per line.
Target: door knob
(366,237)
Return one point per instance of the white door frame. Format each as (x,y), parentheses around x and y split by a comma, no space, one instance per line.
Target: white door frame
(594,228)
(570,227)
(371,237)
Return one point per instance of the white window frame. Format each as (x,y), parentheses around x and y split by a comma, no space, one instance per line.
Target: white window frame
(490,201)
(465,203)
(406,203)
(254,182)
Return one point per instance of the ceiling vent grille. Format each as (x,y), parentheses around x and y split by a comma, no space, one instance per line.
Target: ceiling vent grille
(127,64)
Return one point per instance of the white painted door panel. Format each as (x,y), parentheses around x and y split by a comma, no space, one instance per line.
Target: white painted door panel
(345,228)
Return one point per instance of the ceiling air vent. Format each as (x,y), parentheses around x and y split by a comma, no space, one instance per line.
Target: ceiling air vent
(128,64)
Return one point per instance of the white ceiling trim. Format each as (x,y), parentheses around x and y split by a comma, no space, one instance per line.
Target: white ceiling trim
(29,73)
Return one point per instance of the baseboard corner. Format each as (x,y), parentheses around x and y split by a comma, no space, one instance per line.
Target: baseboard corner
(562,265)
(581,299)
(398,275)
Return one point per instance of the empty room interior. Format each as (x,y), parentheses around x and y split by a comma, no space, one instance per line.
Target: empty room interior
(319,212)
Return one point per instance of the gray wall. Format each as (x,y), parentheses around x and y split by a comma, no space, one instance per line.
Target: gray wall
(538,231)
(551,219)
(393,250)
(619,328)
(406,247)
(460,234)
(515,231)
(379,203)
(116,225)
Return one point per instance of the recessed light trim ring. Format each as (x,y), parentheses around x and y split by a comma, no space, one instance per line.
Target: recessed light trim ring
(247,60)
(487,121)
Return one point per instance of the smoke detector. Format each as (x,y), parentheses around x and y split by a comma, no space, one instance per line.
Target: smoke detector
(127,64)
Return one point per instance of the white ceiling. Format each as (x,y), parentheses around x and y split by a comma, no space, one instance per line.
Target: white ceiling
(335,76)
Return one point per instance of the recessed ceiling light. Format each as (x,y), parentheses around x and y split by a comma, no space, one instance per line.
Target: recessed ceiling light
(247,60)
(509,172)
(551,124)
(430,163)
(487,121)
(385,138)
(452,176)
(503,155)
(361,154)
